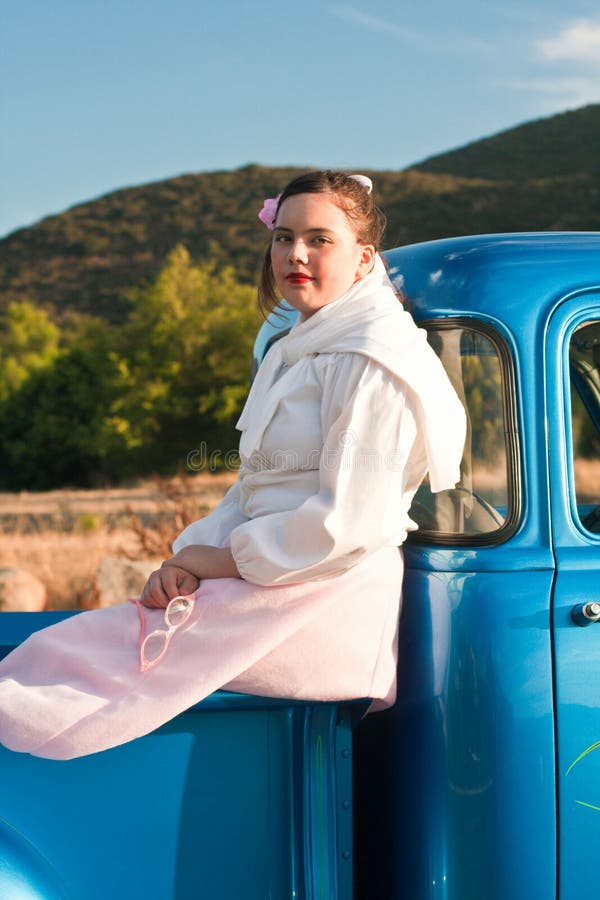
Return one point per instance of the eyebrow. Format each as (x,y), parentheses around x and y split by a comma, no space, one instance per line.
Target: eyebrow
(308,230)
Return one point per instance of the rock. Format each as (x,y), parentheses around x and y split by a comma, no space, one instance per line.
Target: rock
(117,580)
(20,591)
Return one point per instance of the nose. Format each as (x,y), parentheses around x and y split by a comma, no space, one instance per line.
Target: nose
(298,252)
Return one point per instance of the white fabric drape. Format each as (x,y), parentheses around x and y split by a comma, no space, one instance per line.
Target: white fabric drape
(347,413)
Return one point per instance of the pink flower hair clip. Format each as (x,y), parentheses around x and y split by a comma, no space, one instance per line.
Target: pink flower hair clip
(269,211)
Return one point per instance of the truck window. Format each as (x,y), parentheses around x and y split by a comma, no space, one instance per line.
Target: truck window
(584,368)
(483,507)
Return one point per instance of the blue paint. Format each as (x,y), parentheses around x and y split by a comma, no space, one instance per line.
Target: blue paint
(210,805)
(24,873)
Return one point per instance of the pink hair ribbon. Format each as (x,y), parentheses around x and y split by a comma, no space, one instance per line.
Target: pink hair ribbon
(269,211)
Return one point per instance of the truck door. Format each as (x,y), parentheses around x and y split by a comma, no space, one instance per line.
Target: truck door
(573,417)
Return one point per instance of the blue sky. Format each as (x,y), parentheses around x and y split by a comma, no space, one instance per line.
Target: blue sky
(95,96)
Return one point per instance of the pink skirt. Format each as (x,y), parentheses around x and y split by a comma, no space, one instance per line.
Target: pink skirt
(76,687)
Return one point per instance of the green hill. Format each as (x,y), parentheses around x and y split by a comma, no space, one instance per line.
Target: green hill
(562,146)
(544,175)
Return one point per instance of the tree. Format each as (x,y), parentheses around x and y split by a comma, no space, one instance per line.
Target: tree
(93,403)
(29,342)
(56,427)
(185,360)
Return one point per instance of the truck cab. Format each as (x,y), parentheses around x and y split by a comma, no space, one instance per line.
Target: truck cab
(491,756)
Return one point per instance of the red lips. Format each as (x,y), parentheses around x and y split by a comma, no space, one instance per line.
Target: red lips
(298,278)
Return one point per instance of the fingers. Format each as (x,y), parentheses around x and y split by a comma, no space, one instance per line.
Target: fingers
(188,584)
(166,583)
(170,578)
(183,577)
(154,594)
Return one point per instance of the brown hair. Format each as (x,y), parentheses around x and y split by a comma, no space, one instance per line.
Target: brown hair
(350,195)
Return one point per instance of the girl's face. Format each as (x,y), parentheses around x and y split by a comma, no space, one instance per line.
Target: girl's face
(315,254)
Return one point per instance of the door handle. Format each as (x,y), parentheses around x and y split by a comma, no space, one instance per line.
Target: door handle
(586,613)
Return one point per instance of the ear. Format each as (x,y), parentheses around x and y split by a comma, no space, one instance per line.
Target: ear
(366,260)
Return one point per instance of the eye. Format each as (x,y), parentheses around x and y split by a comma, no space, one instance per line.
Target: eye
(281,238)
(321,239)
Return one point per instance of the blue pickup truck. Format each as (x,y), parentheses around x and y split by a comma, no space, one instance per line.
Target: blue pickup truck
(483,781)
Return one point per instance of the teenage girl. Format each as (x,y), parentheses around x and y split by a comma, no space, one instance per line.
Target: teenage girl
(291,587)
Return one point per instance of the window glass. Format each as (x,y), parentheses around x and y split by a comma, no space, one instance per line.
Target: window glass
(584,365)
(482,504)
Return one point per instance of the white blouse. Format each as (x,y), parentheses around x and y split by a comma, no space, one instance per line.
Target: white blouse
(346,414)
(332,479)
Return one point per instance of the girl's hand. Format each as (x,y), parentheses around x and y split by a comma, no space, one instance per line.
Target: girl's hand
(204,561)
(166,583)
(182,573)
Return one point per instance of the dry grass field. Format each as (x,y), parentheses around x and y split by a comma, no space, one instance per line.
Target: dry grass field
(61,536)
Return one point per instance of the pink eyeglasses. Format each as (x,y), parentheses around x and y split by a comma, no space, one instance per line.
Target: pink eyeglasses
(154,645)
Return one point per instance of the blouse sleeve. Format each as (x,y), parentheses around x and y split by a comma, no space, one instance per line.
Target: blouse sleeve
(215,528)
(372,462)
